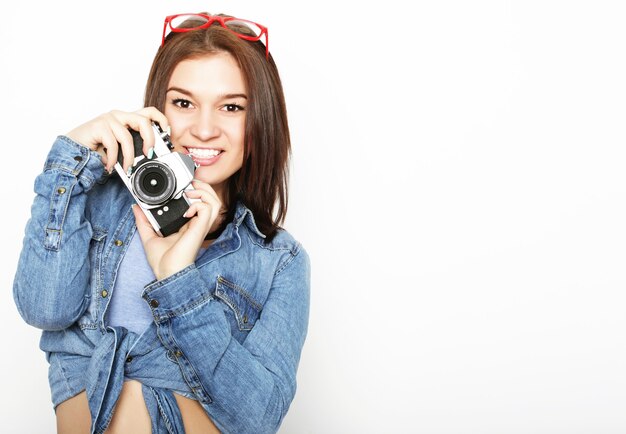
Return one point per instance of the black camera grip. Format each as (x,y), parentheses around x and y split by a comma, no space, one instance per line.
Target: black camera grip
(171,220)
(138,144)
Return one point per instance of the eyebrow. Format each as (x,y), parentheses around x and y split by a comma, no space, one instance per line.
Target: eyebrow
(223,96)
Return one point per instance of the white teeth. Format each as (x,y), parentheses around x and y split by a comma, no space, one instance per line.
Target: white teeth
(204,153)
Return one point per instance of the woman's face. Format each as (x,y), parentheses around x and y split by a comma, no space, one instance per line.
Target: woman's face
(205,105)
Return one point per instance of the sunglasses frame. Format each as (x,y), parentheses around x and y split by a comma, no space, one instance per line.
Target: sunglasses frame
(210,20)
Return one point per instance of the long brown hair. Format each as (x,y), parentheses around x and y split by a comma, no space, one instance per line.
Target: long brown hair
(262,182)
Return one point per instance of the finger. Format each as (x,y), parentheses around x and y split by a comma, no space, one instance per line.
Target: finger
(145,229)
(101,151)
(154,114)
(204,196)
(191,211)
(206,187)
(144,126)
(197,183)
(137,122)
(125,142)
(111,146)
(202,214)
(201,210)
(202,218)
(103,155)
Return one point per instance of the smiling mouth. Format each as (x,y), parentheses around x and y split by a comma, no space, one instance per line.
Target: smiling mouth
(204,153)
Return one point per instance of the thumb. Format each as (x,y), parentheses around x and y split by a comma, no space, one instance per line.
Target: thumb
(145,229)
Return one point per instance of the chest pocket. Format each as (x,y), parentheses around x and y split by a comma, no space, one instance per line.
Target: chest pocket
(241,308)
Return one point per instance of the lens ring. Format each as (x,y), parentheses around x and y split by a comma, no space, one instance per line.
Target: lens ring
(154,183)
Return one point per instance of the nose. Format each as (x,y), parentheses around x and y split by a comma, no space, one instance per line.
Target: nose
(205,126)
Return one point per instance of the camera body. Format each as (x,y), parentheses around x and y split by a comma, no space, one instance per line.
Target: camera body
(157,184)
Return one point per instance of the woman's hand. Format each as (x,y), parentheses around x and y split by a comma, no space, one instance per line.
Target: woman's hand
(108,131)
(169,255)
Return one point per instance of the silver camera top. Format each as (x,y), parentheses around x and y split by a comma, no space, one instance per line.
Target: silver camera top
(162,143)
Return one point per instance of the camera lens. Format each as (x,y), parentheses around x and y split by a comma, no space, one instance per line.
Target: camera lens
(154,182)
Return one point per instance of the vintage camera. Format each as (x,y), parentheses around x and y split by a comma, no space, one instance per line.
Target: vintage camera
(158,183)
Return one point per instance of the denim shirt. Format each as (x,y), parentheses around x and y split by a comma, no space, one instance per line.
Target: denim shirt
(228,330)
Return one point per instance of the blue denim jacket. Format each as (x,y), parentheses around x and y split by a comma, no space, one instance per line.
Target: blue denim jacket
(228,330)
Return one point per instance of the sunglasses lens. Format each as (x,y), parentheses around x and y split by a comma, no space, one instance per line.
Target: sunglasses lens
(188,21)
(244,28)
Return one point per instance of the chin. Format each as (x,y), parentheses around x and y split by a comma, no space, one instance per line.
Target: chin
(212,179)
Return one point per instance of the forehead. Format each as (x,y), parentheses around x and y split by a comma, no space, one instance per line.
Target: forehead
(218,72)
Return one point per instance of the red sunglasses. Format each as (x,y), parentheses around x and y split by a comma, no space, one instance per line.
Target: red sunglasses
(231,24)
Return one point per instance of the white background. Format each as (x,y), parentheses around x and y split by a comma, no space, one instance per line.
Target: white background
(458,181)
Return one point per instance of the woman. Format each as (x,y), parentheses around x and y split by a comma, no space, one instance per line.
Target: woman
(198,331)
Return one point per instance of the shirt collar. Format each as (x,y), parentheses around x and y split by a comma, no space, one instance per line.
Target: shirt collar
(244,215)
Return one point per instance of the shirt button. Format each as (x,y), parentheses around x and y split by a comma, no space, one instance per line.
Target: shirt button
(104,293)
(119,242)
(178,353)
(61,190)
(129,359)
(78,158)
(154,303)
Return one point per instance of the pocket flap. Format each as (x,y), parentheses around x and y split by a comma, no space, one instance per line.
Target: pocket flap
(246,310)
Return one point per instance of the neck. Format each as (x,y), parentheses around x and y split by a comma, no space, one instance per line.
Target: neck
(221,190)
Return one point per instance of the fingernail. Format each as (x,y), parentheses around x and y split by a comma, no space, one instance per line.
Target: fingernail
(150,153)
(129,171)
(168,130)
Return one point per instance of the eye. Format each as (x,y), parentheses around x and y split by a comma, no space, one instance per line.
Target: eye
(233,108)
(182,103)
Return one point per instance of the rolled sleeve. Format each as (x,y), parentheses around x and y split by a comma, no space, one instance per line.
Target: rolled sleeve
(52,276)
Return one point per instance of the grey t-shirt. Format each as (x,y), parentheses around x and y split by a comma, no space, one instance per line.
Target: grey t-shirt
(127,308)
